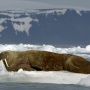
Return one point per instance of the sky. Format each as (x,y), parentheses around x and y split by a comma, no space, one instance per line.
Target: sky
(68,3)
(44,4)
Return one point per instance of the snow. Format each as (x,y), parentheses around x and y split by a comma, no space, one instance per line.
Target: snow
(88,48)
(24,22)
(22,27)
(1,28)
(58,11)
(78,12)
(56,77)
(1,21)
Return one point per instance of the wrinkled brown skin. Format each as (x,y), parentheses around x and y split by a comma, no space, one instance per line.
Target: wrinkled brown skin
(34,60)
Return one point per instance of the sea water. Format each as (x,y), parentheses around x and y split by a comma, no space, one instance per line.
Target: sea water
(54,80)
(40,86)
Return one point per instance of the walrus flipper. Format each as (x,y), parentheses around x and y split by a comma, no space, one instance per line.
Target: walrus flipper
(26,67)
(70,66)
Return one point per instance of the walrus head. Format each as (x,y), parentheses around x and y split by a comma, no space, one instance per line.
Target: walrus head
(4,55)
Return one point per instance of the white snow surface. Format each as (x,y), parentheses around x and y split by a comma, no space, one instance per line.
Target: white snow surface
(22,27)
(56,77)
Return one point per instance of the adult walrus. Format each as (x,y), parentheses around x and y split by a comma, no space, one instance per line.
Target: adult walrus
(44,61)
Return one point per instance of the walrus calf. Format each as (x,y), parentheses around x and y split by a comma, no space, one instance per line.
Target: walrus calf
(44,61)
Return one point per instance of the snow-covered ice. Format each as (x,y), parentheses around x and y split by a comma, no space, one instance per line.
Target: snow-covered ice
(56,77)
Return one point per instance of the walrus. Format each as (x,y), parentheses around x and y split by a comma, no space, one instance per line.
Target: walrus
(35,60)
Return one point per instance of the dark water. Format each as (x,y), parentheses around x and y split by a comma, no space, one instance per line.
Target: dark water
(38,86)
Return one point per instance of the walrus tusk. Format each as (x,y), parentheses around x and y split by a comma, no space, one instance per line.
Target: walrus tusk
(6,62)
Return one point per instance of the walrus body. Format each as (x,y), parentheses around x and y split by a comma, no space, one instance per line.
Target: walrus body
(44,61)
